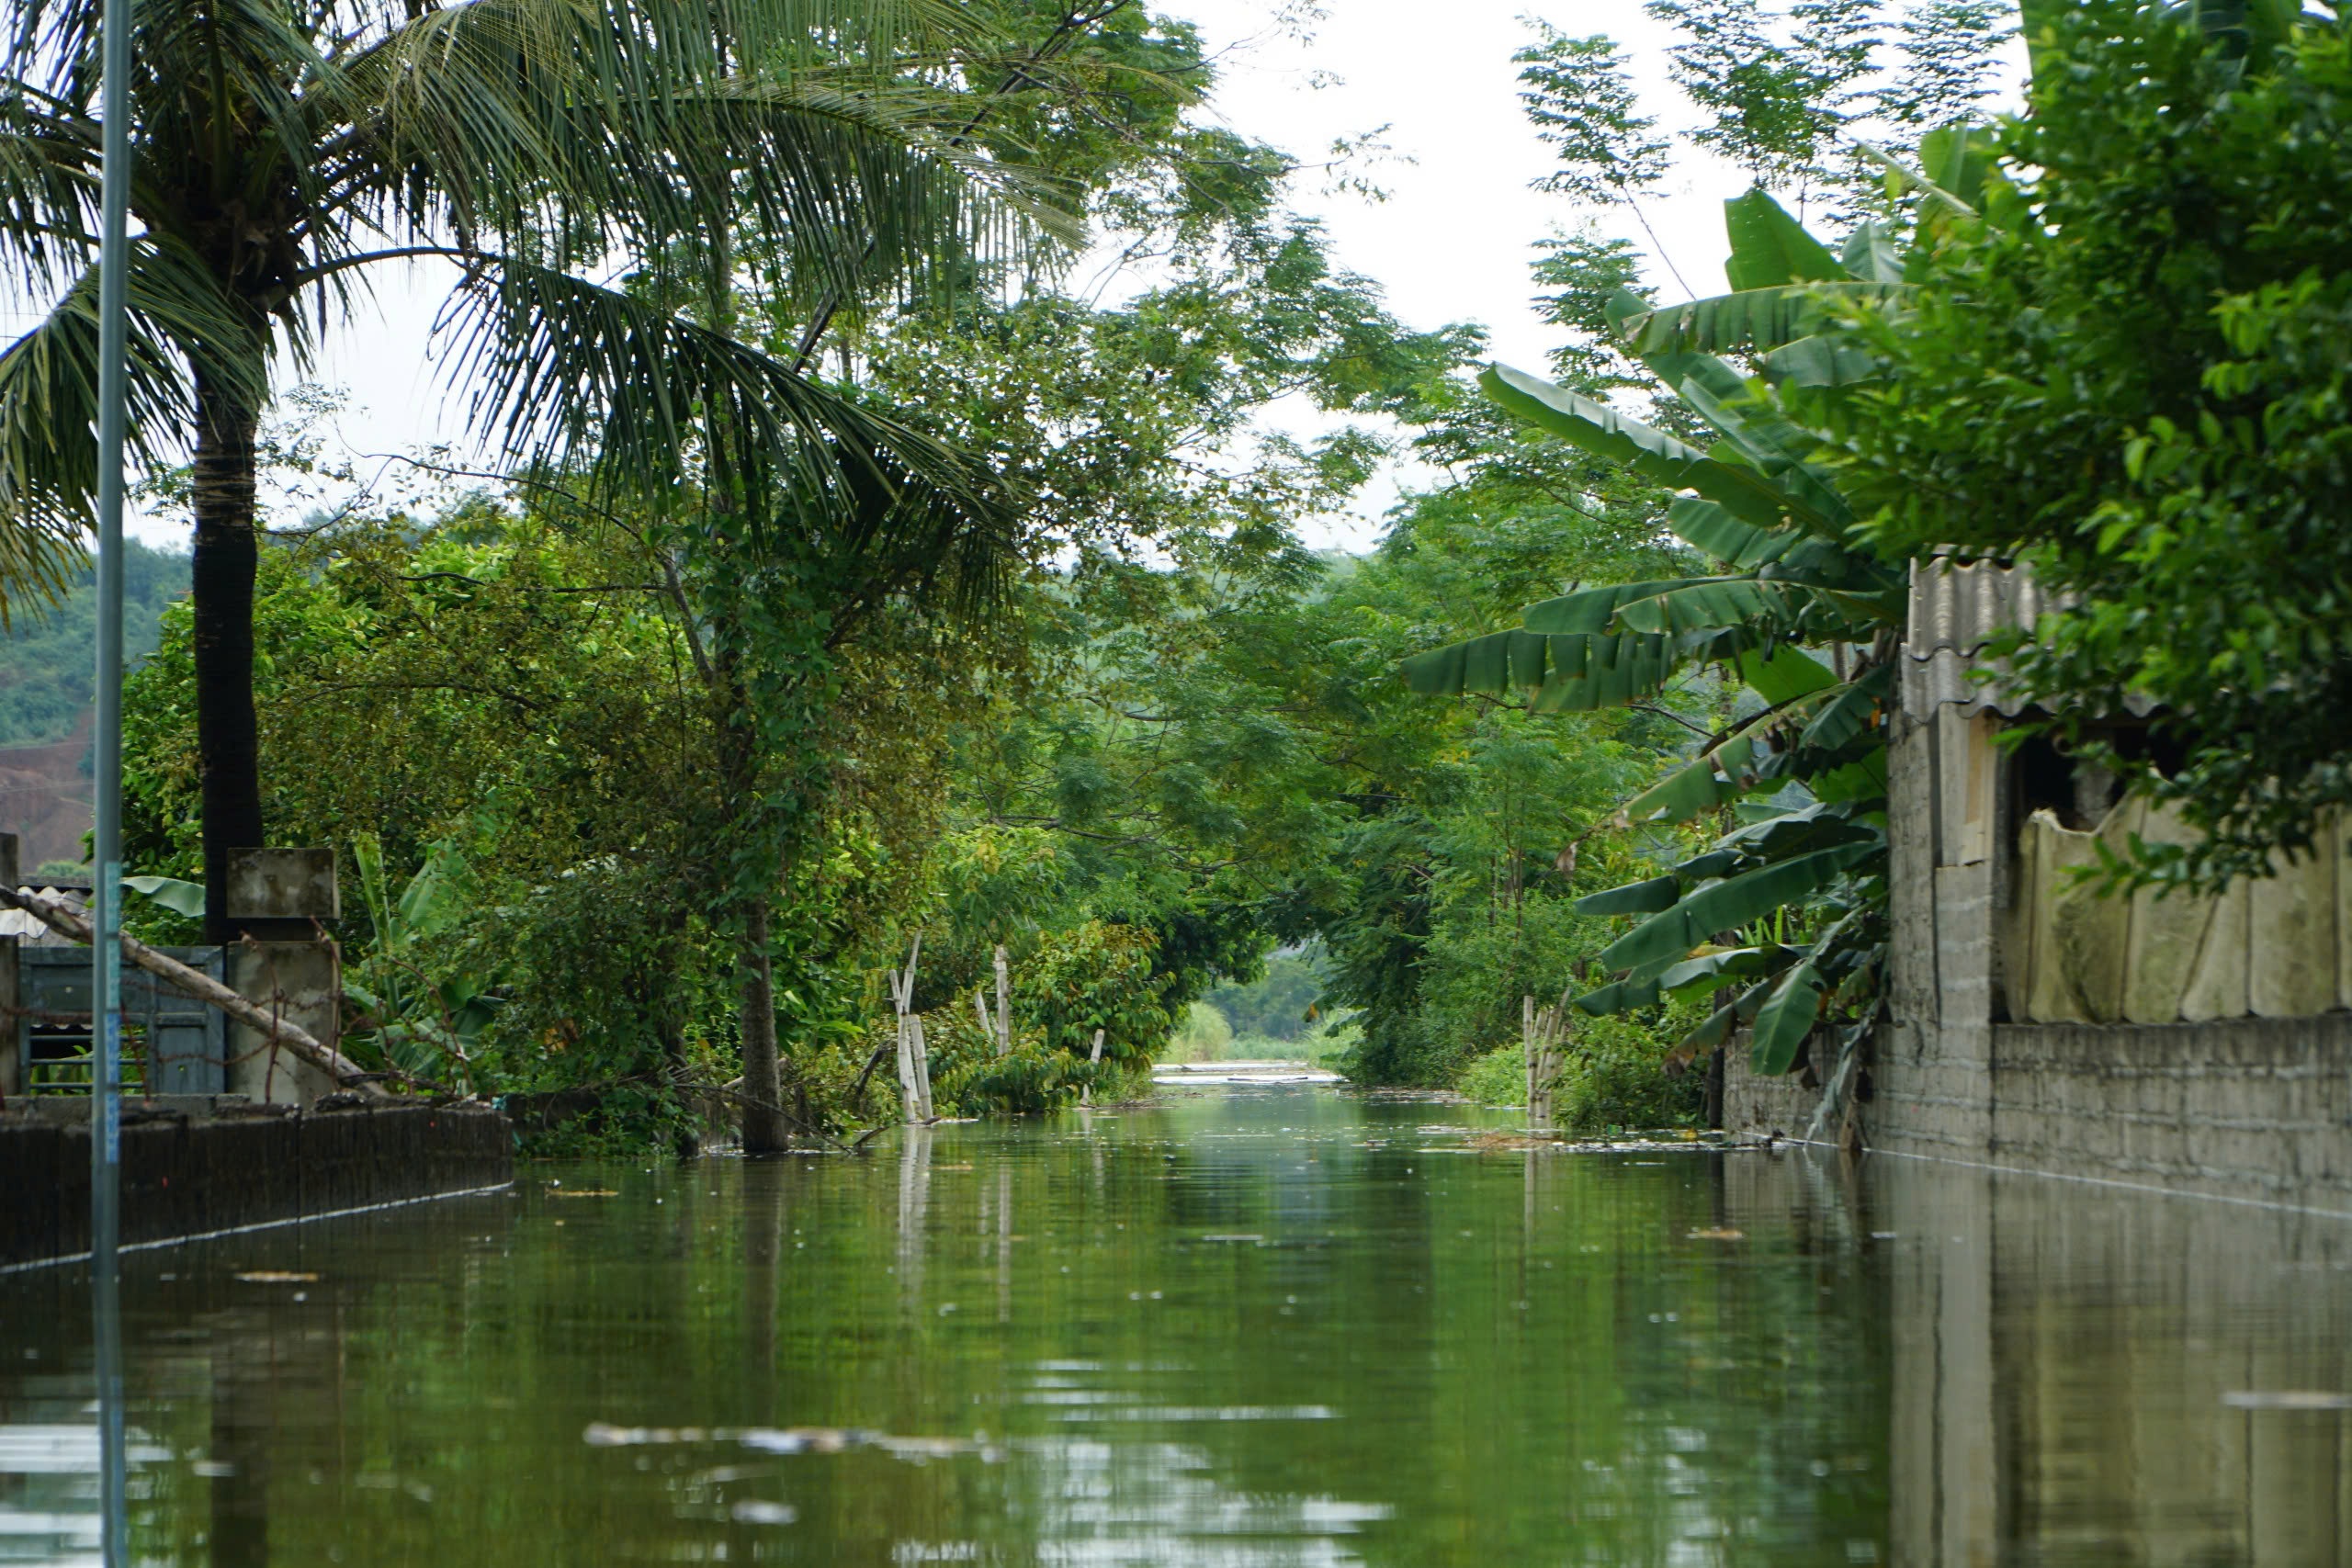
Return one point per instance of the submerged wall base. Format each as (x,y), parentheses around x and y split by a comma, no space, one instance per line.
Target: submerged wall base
(2252,1109)
(190,1175)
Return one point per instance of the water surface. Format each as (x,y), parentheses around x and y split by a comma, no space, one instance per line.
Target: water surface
(1246,1327)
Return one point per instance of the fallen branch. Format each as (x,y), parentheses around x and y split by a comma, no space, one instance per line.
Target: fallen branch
(346,1073)
(731,1090)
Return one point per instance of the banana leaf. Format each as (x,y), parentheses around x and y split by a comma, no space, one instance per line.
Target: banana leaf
(1764,439)
(1718,1025)
(1602,431)
(1770,248)
(1590,610)
(1785,1019)
(180,897)
(1822,363)
(1634,899)
(1755,319)
(1606,671)
(1727,906)
(1635,990)
(1772,607)
(1785,674)
(1722,968)
(1567,672)
(1851,711)
(1703,785)
(1870,254)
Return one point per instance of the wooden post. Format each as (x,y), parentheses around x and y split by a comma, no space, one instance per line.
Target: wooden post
(914,1071)
(1086,1094)
(1526,1050)
(980,1000)
(1003,1004)
(922,1053)
(906,1061)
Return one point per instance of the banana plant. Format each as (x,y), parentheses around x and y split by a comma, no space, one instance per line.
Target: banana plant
(410,1021)
(1785,916)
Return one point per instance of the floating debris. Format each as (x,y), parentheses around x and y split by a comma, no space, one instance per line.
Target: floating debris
(788,1440)
(1718,1232)
(2288,1399)
(276,1277)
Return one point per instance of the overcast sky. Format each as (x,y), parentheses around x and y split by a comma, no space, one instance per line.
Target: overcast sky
(1451,243)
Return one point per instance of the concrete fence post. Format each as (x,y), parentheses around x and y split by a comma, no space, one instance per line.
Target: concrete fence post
(281,901)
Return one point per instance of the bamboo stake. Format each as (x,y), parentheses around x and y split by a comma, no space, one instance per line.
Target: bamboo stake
(345,1072)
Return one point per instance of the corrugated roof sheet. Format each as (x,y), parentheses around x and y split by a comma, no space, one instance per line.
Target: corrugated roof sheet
(28,929)
(1955,611)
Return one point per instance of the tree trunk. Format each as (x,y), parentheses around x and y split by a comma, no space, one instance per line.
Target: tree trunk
(222,603)
(763,1122)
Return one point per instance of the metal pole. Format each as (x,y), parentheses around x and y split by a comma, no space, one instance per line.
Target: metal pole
(106,891)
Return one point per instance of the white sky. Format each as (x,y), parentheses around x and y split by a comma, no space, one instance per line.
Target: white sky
(1452,243)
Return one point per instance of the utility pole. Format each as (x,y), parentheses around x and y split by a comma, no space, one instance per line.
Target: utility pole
(106,891)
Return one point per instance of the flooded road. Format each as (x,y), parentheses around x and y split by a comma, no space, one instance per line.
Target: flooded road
(1245,1327)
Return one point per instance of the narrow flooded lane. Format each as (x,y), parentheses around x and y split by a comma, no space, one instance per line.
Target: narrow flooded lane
(1243,1326)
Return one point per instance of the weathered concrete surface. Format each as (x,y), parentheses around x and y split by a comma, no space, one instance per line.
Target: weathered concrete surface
(2253,1109)
(283,884)
(191,1174)
(2256,1108)
(301,982)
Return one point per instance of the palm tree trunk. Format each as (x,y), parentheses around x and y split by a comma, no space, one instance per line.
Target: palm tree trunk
(227,553)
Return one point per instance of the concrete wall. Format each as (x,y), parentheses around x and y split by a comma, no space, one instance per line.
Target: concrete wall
(2252,1109)
(185,1175)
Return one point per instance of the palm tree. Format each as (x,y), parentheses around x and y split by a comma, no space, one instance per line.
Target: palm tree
(282,151)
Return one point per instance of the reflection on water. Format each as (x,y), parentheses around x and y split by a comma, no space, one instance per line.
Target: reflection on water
(1279,1327)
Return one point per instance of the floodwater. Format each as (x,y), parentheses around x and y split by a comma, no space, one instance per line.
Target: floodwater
(1243,1326)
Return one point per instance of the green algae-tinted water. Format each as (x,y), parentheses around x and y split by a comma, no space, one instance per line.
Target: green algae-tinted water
(1258,1327)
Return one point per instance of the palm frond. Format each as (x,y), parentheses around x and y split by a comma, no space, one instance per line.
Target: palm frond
(49,400)
(49,188)
(567,372)
(645,124)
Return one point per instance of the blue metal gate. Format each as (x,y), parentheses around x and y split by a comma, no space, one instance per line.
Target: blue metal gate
(172,1044)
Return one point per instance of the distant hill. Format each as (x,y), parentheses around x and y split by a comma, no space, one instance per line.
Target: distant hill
(48,670)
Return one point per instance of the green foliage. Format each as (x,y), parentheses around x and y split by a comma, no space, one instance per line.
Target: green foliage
(1786,88)
(1615,1077)
(1805,880)
(412,1022)
(1278,1005)
(2130,374)
(1102,977)
(1202,1034)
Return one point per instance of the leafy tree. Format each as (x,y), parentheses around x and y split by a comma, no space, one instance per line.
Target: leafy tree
(1787,90)
(2129,375)
(530,142)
